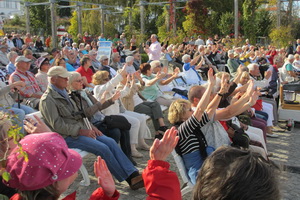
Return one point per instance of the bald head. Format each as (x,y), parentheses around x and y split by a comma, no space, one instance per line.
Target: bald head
(195,94)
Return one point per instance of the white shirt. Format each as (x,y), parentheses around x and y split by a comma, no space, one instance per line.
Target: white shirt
(199,42)
(10,44)
(209,42)
(154,51)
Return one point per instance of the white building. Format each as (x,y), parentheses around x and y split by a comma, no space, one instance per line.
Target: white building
(10,7)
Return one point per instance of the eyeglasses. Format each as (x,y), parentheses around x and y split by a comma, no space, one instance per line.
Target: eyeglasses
(79,81)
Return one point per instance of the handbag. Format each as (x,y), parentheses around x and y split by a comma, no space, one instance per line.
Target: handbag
(117,121)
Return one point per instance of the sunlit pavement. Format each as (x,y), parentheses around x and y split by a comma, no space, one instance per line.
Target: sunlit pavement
(285,149)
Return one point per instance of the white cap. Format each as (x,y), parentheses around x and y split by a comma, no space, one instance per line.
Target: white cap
(22,58)
(58,71)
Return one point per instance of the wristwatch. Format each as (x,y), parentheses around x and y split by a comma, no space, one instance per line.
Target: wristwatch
(221,95)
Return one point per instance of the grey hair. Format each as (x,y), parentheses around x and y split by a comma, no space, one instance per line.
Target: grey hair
(154,35)
(185,58)
(251,66)
(154,63)
(115,54)
(11,54)
(129,59)
(73,76)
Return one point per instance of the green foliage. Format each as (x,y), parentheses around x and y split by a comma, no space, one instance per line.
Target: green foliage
(91,22)
(64,12)
(144,57)
(17,21)
(16,135)
(226,25)
(109,29)
(73,28)
(40,18)
(263,23)
(281,37)
(249,8)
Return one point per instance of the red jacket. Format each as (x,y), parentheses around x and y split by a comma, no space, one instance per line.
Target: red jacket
(98,194)
(160,182)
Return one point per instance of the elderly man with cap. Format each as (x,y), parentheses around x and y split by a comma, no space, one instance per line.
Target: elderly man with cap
(31,92)
(106,67)
(43,66)
(63,116)
(3,56)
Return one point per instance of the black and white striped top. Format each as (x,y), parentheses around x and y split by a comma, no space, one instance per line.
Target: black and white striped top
(187,132)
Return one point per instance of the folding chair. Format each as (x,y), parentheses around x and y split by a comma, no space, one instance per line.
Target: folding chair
(187,185)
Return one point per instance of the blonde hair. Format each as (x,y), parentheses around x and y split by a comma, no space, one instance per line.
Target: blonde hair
(74,75)
(177,109)
(27,52)
(244,74)
(220,74)
(98,77)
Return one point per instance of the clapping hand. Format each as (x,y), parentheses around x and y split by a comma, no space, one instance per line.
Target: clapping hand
(116,95)
(224,85)
(162,148)
(105,179)
(211,77)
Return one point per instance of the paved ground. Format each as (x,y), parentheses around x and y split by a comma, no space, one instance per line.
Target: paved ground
(285,150)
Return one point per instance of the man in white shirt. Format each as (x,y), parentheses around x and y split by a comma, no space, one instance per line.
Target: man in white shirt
(209,41)
(199,41)
(154,51)
(255,73)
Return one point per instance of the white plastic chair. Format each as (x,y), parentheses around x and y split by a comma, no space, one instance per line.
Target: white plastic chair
(86,179)
(187,185)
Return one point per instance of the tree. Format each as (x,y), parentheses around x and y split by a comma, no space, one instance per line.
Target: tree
(73,28)
(226,25)
(281,36)
(64,12)
(263,23)
(40,20)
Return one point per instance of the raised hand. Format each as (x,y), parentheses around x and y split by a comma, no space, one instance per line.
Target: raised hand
(105,179)
(116,95)
(224,85)
(211,77)
(254,98)
(162,148)
(103,97)
(250,88)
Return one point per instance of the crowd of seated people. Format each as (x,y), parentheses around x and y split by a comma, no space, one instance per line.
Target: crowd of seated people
(80,97)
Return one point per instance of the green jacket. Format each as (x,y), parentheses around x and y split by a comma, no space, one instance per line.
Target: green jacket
(59,115)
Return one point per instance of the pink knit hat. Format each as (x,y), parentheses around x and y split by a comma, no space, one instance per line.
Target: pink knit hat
(49,160)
